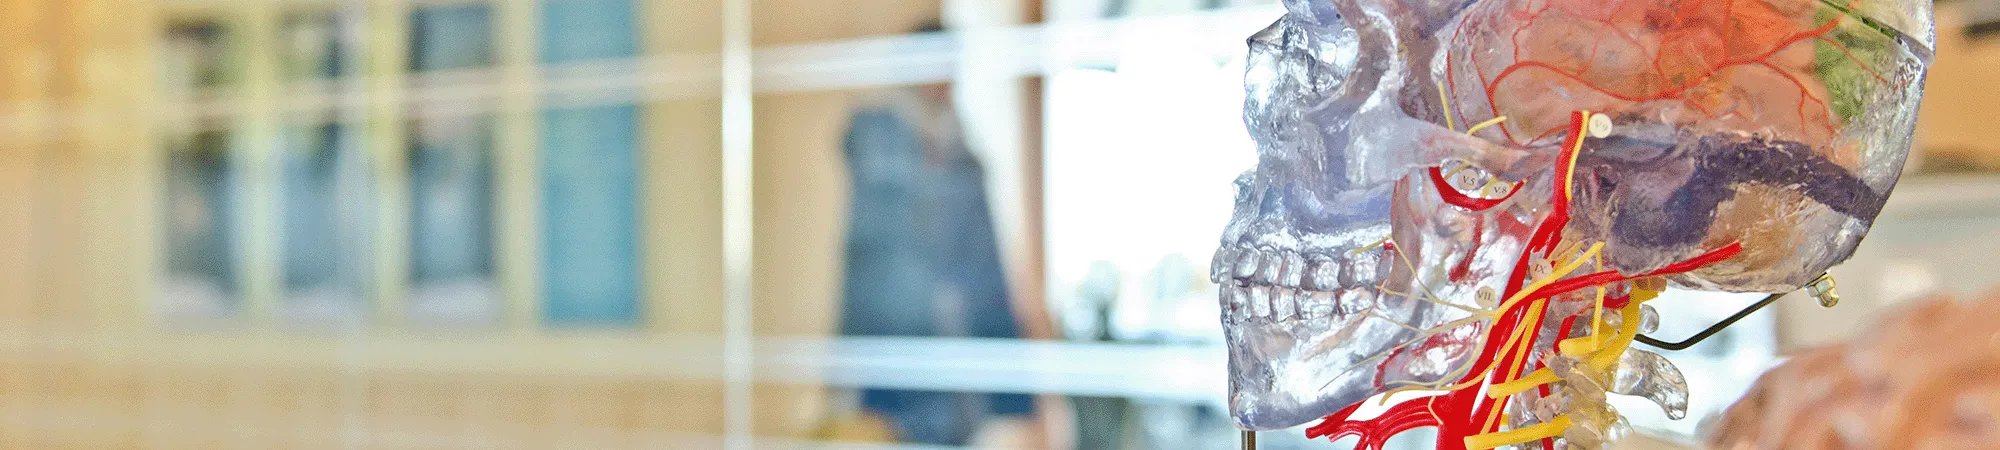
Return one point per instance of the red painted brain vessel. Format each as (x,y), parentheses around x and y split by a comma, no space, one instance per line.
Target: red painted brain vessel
(1472,202)
(1731,65)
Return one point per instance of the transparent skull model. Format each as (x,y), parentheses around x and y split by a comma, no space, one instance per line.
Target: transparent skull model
(1446,188)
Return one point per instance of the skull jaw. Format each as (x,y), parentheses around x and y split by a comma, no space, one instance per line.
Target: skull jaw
(1283,375)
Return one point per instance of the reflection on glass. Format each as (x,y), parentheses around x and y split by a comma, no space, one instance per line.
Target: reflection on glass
(311,46)
(328,216)
(201,205)
(589,175)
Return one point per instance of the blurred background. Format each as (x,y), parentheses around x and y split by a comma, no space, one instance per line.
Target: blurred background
(706,223)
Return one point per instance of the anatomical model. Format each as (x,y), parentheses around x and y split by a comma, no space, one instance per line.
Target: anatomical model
(1475,198)
(1927,376)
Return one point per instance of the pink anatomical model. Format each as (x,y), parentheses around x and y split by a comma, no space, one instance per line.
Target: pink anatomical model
(1926,376)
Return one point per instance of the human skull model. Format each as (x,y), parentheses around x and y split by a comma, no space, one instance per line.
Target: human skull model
(1422,163)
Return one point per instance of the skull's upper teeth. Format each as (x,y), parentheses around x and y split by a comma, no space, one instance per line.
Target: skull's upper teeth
(1247,262)
(1291,269)
(1270,264)
(1363,269)
(1325,275)
(1266,285)
(1222,268)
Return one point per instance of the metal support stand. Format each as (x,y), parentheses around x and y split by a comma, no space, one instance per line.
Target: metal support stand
(1249,440)
(1821,289)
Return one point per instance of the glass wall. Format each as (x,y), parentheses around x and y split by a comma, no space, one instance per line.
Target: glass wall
(689,224)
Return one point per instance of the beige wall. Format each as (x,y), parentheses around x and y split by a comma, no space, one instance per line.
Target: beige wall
(801,201)
(1957,114)
(22,42)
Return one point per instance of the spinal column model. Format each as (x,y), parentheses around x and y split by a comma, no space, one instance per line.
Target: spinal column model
(1476,198)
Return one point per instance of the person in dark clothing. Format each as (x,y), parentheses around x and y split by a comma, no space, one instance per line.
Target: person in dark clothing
(921,256)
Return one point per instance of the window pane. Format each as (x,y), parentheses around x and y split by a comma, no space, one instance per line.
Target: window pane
(575,30)
(451,179)
(590,272)
(589,175)
(451,219)
(202,203)
(198,54)
(311,46)
(451,37)
(328,219)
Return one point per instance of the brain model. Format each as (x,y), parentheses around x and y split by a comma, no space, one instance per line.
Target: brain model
(1927,376)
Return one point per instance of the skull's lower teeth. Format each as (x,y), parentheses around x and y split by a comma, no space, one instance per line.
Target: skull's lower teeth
(1317,305)
(1260,303)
